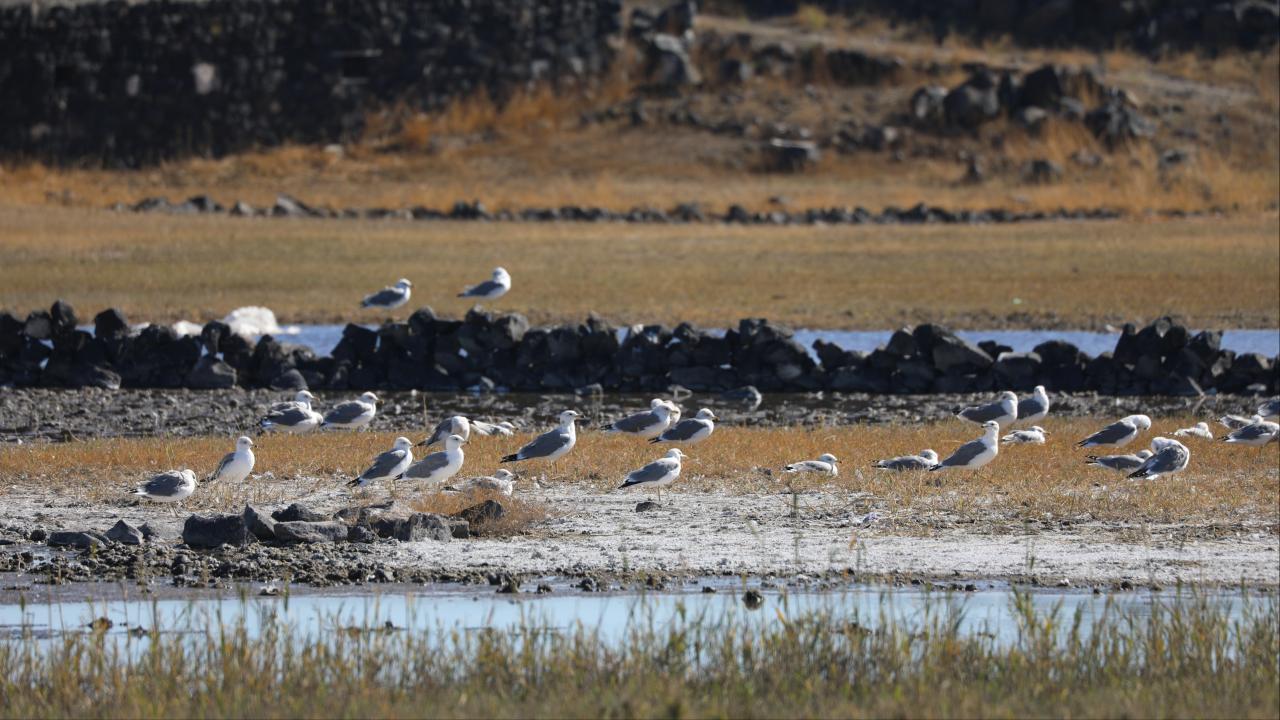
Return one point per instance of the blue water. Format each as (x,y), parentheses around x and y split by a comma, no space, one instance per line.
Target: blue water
(323,338)
(989,612)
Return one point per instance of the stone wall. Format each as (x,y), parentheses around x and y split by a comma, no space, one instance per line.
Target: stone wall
(484,352)
(127,84)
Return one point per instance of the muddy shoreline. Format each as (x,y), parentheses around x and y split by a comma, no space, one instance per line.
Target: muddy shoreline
(66,415)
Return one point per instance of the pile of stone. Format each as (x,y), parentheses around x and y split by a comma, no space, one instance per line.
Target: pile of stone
(491,352)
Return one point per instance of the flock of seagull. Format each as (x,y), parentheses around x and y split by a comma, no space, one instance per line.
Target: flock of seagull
(662,423)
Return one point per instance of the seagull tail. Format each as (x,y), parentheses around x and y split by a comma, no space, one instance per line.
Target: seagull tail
(355,482)
(935,468)
(655,441)
(607,427)
(510,458)
(1138,474)
(1091,460)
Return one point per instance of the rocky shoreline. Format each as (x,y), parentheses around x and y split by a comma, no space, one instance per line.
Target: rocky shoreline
(487,352)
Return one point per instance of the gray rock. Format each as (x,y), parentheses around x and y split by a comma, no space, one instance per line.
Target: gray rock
(1041,171)
(211,373)
(209,531)
(951,354)
(780,155)
(75,539)
(125,533)
(646,506)
(311,532)
(299,512)
(360,534)
(484,512)
(262,526)
(415,527)
(927,106)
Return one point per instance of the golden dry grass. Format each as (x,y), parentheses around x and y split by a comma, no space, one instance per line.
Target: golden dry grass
(1225,485)
(1209,272)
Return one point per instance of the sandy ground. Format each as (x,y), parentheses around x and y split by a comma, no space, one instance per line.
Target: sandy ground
(708,534)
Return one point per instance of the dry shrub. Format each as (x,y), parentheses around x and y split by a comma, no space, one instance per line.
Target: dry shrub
(522,514)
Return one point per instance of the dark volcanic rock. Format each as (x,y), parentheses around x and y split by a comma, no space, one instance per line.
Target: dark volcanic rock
(209,531)
(311,532)
(260,524)
(415,527)
(75,539)
(484,512)
(297,512)
(125,532)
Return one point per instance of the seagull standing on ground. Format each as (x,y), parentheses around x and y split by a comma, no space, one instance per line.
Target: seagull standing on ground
(1033,435)
(1119,463)
(173,486)
(551,445)
(236,465)
(292,417)
(503,481)
(456,425)
(1033,409)
(389,298)
(1170,457)
(438,467)
(352,415)
(975,453)
(1200,430)
(647,425)
(925,460)
(826,464)
(687,432)
(1119,433)
(388,465)
(491,289)
(1003,411)
(657,474)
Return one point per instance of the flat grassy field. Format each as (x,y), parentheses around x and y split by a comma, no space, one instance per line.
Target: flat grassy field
(1222,273)
(1224,483)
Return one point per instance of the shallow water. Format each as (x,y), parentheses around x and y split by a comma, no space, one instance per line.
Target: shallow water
(323,338)
(988,612)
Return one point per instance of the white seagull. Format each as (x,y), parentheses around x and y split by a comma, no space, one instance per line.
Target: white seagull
(551,445)
(1200,430)
(925,460)
(168,487)
(975,453)
(1235,422)
(1033,409)
(491,289)
(484,429)
(388,465)
(503,481)
(389,298)
(438,466)
(456,425)
(1170,457)
(1119,433)
(687,432)
(1120,463)
(1003,411)
(826,464)
(1033,435)
(295,416)
(352,415)
(647,425)
(1256,435)
(237,465)
(657,474)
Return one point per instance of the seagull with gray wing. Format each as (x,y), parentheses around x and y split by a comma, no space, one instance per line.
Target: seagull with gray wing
(826,464)
(438,466)
(456,425)
(304,398)
(1003,411)
(1119,463)
(1259,435)
(295,416)
(647,425)
(503,481)
(1269,409)
(1200,430)
(1235,422)
(389,298)
(551,445)
(689,431)
(236,465)
(352,415)
(657,474)
(491,289)
(925,460)
(173,486)
(1034,435)
(975,453)
(1119,433)
(1031,410)
(1170,456)
(388,465)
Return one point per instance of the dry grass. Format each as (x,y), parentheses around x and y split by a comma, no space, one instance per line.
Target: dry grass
(1225,485)
(1211,273)
(522,512)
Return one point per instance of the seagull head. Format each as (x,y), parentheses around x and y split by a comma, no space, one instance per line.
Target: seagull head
(1202,425)
(991,426)
(403,284)
(706,414)
(500,275)
(244,442)
(567,417)
(1040,392)
(929,455)
(188,475)
(369,398)
(304,396)
(1141,421)
(676,454)
(1039,429)
(402,443)
(655,403)
(829,458)
(453,442)
(459,425)
(1009,396)
(505,474)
